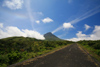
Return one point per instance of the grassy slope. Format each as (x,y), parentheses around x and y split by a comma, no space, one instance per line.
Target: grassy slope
(17,49)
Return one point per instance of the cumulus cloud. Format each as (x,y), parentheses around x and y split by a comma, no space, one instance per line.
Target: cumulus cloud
(34,34)
(13,4)
(10,31)
(68,25)
(47,20)
(37,21)
(97,28)
(87,27)
(80,35)
(1,25)
(95,35)
(65,26)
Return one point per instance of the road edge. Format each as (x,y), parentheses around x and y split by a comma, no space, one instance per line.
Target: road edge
(97,63)
(28,61)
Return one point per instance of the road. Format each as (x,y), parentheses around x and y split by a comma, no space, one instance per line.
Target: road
(71,56)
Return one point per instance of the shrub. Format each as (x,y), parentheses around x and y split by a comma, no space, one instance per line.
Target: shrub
(4,59)
(91,43)
(14,57)
(97,52)
(96,46)
(3,65)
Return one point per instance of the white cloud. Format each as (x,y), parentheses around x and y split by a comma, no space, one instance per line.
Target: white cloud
(37,21)
(14,31)
(97,28)
(74,39)
(68,25)
(95,35)
(10,31)
(80,35)
(87,27)
(65,25)
(1,25)
(34,34)
(47,20)
(84,16)
(13,4)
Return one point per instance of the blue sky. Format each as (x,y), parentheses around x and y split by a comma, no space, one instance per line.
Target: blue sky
(68,19)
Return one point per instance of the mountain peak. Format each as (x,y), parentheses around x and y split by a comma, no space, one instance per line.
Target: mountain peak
(51,37)
(49,33)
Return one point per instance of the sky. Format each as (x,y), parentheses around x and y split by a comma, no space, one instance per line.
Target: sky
(72,20)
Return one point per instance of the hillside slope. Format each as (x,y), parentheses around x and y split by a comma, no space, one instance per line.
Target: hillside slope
(17,49)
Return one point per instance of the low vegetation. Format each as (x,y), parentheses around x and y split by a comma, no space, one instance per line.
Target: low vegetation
(93,47)
(17,49)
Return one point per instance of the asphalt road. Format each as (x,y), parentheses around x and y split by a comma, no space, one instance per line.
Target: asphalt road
(71,56)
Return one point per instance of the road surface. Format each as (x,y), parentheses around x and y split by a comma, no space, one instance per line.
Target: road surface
(71,56)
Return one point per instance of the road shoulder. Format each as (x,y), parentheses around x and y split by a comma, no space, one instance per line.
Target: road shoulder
(97,63)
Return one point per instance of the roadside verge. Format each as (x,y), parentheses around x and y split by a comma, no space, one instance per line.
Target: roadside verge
(92,56)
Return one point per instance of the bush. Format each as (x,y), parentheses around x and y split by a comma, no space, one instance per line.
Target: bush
(4,59)
(97,52)
(96,46)
(14,57)
(3,65)
(91,43)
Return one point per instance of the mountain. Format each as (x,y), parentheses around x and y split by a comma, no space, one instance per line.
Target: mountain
(51,37)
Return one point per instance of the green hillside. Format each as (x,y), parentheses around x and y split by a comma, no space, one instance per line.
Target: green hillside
(17,49)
